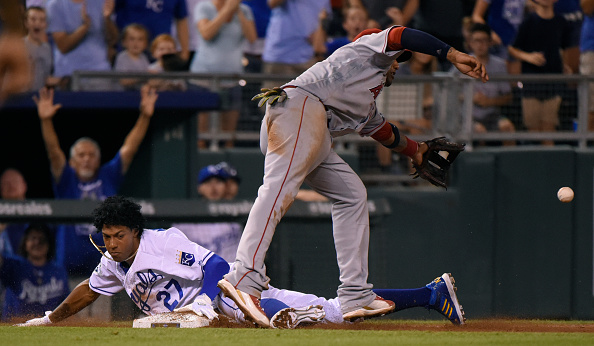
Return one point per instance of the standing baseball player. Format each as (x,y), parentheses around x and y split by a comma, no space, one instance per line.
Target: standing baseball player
(162,271)
(333,98)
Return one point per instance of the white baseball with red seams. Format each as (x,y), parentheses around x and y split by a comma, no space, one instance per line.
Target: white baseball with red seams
(565,194)
(333,98)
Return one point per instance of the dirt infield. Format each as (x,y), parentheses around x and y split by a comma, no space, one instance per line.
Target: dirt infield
(483,325)
(493,325)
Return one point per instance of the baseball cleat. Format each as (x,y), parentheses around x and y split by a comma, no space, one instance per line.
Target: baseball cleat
(289,318)
(378,307)
(444,299)
(248,304)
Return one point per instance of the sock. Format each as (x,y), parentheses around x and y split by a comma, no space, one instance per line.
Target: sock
(406,298)
(272,306)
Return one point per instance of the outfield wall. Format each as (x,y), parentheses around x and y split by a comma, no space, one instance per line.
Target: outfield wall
(514,249)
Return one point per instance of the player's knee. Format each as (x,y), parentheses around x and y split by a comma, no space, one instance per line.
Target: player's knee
(359,194)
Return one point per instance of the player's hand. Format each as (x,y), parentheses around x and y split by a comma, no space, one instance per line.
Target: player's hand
(417,158)
(36,322)
(270,96)
(46,109)
(148,98)
(202,306)
(467,64)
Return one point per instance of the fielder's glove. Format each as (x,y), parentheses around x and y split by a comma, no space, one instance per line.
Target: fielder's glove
(271,96)
(434,167)
(202,306)
(40,321)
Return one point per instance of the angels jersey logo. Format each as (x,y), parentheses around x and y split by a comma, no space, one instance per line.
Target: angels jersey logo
(377,90)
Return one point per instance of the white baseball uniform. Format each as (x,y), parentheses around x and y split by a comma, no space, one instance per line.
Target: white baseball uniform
(333,98)
(168,272)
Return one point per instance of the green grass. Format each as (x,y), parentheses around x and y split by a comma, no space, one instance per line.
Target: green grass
(263,337)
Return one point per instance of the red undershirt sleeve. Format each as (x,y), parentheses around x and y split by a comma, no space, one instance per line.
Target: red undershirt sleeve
(395,38)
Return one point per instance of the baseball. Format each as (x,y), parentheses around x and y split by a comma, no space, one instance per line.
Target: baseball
(565,194)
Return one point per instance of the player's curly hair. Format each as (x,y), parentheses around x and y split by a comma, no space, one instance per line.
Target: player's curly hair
(118,211)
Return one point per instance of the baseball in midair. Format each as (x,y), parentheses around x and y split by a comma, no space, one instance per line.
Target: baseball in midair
(565,194)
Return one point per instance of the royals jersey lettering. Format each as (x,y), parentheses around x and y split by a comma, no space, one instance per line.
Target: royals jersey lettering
(167,272)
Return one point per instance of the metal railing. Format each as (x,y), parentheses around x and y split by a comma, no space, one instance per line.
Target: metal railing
(451,114)
(453,119)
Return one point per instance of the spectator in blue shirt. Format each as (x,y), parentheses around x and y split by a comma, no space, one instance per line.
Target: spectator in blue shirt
(83,177)
(33,283)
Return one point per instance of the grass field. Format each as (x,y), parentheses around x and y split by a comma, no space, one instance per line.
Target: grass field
(507,332)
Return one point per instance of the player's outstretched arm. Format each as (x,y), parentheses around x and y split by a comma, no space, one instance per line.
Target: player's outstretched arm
(422,42)
(148,98)
(81,297)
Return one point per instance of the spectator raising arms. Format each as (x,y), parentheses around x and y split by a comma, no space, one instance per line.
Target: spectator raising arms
(83,177)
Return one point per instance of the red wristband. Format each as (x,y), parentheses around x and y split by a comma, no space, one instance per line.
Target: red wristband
(411,148)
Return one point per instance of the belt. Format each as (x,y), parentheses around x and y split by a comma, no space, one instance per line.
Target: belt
(309,92)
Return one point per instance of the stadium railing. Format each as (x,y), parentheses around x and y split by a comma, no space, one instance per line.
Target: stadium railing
(445,99)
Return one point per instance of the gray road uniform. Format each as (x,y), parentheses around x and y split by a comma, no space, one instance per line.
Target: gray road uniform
(333,98)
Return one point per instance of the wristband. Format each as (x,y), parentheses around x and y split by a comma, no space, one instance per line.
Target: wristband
(411,148)
(396,133)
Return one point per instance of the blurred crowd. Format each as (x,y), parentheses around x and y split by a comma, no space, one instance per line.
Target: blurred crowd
(272,37)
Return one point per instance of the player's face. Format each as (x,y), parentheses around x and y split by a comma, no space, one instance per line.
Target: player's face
(85,161)
(13,186)
(36,245)
(390,73)
(135,42)
(479,43)
(120,241)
